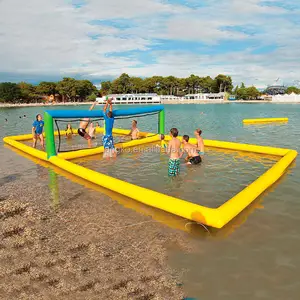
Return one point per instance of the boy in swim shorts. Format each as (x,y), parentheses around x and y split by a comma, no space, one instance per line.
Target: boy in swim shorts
(193,157)
(200,143)
(83,126)
(37,130)
(107,140)
(173,149)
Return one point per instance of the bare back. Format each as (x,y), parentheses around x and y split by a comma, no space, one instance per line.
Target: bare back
(191,150)
(174,148)
(200,144)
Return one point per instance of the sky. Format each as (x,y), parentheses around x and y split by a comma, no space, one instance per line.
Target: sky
(253,41)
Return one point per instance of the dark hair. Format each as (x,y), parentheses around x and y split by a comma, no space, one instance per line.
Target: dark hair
(70,126)
(135,121)
(186,138)
(162,137)
(174,132)
(109,114)
(199,131)
(37,116)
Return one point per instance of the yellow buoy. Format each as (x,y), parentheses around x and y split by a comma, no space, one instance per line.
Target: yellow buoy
(265,120)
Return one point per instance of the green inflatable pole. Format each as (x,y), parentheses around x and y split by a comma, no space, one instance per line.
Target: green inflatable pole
(49,131)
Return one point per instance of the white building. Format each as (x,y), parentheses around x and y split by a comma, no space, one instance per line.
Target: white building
(214,97)
(131,98)
(292,98)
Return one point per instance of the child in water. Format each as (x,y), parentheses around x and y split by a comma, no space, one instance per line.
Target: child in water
(193,157)
(200,143)
(173,149)
(69,131)
(134,132)
(37,130)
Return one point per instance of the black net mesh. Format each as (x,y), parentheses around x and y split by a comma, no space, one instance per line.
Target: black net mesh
(74,142)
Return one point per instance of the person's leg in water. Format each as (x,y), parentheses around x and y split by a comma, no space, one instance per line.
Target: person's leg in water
(42,141)
(108,144)
(34,141)
(86,136)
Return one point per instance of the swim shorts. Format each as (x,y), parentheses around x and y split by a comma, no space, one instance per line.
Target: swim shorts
(83,133)
(108,142)
(195,160)
(174,167)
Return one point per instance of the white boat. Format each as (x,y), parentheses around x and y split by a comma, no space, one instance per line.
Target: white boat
(131,99)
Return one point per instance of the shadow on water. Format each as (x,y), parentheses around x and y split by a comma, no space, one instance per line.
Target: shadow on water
(195,229)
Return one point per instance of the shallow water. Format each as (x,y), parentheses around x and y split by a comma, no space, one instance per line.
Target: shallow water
(255,258)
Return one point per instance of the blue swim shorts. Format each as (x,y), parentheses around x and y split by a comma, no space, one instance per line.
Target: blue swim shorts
(173,167)
(108,142)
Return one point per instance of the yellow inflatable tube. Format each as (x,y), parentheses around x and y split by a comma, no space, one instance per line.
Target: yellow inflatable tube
(217,218)
(265,120)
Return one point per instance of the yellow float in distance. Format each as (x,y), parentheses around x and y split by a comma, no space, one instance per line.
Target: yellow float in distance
(265,120)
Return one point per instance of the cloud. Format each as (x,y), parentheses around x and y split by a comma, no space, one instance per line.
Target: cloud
(254,41)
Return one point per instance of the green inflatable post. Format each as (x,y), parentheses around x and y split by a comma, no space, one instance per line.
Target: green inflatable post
(161,122)
(49,131)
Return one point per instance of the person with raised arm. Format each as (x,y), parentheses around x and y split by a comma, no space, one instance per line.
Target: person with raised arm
(107,140)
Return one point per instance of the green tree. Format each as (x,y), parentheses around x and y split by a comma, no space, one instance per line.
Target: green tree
(47,88)
(10,92)
(207,84)
(136,85)
(106,88)
(84,88)
(252,92)
(223,83)
(292,89)
(28,92)
(67,88)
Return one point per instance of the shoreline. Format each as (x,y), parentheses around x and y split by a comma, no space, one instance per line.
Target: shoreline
(19,105)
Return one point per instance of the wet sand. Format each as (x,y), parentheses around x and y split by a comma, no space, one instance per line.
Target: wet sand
(87,246)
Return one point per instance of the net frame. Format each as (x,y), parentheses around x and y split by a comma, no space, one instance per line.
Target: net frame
(56,120)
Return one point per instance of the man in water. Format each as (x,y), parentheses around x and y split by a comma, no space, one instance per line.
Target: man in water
(107,140)
(37,130)
(173,149)
(83,126)
(193,157)
(134,132)
(200,143)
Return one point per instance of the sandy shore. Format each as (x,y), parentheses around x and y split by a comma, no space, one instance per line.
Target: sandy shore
(85,247)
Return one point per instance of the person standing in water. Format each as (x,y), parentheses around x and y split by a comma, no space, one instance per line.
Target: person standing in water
(37,130)
(69,131)
(173,149)
(200,143)
(83,126)
(134,132)
(193,157)
(107,140)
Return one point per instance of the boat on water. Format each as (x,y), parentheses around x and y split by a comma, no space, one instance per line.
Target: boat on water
(131,98)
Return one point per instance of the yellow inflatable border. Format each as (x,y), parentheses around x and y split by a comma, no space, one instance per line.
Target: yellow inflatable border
(265,120)
(214,217)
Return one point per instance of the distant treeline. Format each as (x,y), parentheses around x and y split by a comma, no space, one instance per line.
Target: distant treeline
(70,89)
